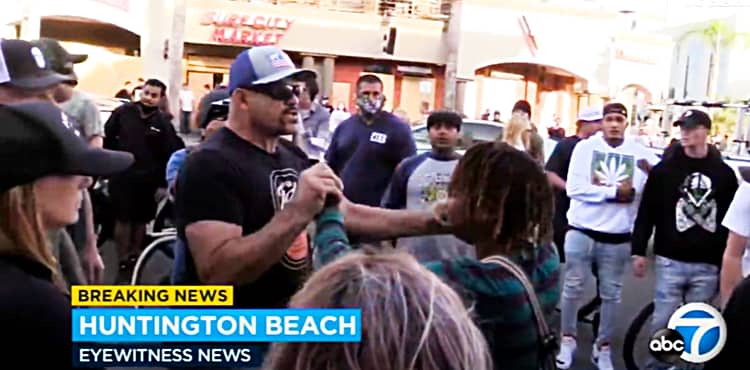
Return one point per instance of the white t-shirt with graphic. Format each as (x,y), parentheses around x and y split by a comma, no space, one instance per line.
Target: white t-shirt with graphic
(737,220)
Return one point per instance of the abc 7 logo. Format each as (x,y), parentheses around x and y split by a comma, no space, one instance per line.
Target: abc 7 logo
(696,333)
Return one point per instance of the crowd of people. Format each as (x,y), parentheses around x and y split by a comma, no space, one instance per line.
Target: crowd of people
(457,261)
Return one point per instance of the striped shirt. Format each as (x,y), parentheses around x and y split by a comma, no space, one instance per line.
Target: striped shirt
(497,299)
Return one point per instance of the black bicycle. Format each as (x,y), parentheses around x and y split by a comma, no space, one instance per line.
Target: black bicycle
(634,355)
(589,312)
(631,355)
(154,264)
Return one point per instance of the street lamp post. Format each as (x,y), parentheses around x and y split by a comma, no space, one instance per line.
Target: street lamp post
(452,100)
(174,57)
(162,45)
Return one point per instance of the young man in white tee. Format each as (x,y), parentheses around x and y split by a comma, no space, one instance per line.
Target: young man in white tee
(736,260)
(605,180)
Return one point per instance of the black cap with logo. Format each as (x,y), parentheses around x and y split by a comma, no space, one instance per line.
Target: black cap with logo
(35,143)
(693,118)
(23,65)
(60,60)
(615,108)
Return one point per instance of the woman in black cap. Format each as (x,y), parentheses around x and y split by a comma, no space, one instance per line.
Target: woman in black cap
(44,168)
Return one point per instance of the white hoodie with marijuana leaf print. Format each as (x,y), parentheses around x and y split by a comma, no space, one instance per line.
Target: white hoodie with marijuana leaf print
(596,170)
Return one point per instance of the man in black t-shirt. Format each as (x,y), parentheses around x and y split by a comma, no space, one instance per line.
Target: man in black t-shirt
(589,123)
(142,129)
(245,199)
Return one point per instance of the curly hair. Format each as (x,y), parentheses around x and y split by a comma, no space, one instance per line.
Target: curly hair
(506,189)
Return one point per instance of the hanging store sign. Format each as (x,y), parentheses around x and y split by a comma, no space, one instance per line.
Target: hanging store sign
(243,29)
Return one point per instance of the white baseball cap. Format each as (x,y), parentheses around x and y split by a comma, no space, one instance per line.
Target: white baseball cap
(590,114)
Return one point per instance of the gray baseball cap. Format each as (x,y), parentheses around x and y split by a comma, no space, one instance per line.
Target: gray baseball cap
(262,65)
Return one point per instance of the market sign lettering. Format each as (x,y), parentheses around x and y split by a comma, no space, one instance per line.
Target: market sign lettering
(624,55)
(245,29)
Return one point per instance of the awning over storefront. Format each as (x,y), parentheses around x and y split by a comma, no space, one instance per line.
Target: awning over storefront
(523,65)
(527,66)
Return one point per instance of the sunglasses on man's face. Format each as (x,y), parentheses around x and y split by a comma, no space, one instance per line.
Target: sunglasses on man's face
(282,91)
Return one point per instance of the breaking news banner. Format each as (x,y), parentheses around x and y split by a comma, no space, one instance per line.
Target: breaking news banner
(163,326)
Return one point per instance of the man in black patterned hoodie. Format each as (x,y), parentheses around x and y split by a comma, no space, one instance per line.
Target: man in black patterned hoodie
(685,198)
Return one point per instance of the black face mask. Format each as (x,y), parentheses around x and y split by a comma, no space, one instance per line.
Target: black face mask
(370,107)
(147,109)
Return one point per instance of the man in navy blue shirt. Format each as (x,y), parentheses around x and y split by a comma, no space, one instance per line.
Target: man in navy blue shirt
(366,148)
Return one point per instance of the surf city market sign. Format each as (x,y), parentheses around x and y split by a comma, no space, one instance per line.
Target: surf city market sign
(244,29)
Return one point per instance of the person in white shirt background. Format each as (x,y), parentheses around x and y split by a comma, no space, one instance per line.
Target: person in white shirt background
(338,115)
(606,177)
(187,99)
(736,260)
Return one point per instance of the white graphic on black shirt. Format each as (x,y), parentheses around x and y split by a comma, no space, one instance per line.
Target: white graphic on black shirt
(696,205)
(283,187)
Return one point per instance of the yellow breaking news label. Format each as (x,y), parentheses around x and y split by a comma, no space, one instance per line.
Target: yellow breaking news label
(152,295)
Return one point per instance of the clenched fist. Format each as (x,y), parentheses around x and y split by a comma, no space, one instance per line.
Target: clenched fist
(316,184)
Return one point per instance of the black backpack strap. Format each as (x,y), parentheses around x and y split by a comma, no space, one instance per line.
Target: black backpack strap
(547,338)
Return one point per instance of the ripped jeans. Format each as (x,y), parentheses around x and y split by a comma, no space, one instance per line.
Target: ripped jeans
(581,251)
(680,282)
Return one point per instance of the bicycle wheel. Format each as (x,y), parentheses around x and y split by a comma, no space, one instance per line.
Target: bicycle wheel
(154,265)
(635,350)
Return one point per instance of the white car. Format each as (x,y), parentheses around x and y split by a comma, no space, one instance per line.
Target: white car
(472,132)
(107,105)
(734,161)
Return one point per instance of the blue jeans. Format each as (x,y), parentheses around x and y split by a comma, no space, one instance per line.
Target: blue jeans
(675,281)
(580,252)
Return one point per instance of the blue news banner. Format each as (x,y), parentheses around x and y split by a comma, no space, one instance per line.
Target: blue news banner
(159,337)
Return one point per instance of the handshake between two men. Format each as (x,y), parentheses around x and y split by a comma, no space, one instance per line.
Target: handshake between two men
(319,187)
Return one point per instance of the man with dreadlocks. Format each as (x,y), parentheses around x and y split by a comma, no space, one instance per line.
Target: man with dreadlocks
(501,202)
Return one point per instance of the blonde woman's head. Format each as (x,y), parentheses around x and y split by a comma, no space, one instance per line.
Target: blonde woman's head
(517,131)
(411,320)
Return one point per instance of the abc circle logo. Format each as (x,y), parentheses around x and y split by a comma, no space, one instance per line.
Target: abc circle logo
(696,333)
